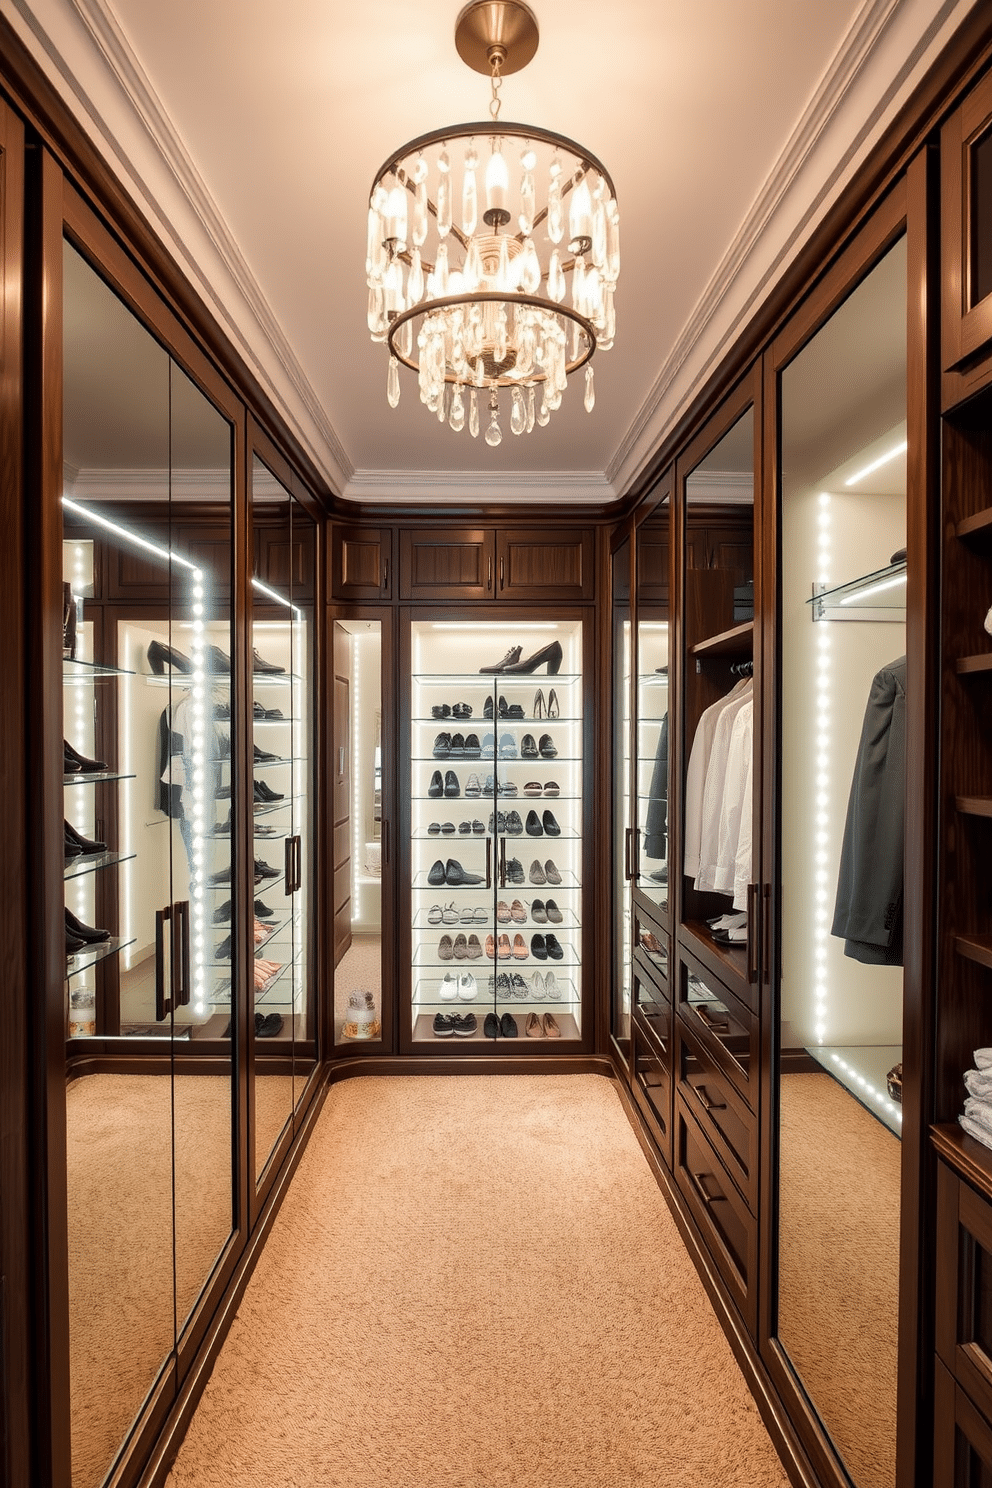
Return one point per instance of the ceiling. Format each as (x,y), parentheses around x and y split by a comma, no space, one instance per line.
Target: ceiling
(728,129)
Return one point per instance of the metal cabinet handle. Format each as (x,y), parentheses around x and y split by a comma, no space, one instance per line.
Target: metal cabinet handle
(714,1021)
(699,1183)
(710,1105)
(385,840)
(753,937)
(489,574)
(385,573)
(180,953)
(163,1004)
(501,573)
(298,881)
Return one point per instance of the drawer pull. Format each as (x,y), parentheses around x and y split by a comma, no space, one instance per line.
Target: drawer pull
(710,1105)
(720,1021)
(699,1182)
(652,1084)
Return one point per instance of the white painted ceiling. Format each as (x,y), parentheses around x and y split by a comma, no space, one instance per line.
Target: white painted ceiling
(250,133)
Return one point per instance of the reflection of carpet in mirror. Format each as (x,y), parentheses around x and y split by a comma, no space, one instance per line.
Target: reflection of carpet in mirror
(119,1172)
(475,1283)
(359,968)
(839,1268)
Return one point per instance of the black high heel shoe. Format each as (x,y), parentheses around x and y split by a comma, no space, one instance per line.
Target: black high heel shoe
(553,704)
(551,654)
(539,703)
(160,655)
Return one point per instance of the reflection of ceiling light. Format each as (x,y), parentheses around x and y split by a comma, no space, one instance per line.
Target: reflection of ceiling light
(900,449)
(496,269)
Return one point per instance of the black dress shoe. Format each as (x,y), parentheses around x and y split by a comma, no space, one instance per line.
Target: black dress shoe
(223,951)
(491,1026)
(487,711)
(472,746)
(514,825)
(528,747)
(513,655)
(455,874)
(270,1027)
(217,661)
(73,944)
(441,710)
(264,870)
(508,1026)
(74,763)
(83,844)
(259,664)
(88,934)
(436,787)
(534,828)
(435,874)
(553,947)
(457,746)
(264,792)
(264,911)
(222,913)
(160,656)
(551,827)
(547,747)
(550,654)
(538,947)
(442,746)
(262,756)
(451,786)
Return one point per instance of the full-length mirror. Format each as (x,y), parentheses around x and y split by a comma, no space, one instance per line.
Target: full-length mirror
(842,748)
(146,721)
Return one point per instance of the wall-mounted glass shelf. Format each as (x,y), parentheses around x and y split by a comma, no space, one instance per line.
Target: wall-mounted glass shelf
(878,596)
(90,862)
(84,959)
(96,777)
(76,672)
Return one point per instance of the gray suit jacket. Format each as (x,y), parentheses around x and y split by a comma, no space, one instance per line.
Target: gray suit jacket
(868,913)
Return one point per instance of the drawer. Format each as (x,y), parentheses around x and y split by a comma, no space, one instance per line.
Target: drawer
(727,1029)
(962,1438)
(726,1224)
(654,1008)
(653,944)
(722,1114)
(651,1082)
(964,1285)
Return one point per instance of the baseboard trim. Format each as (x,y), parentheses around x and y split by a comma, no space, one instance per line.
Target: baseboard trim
(520,1064)
(177,1422)
(784,1437)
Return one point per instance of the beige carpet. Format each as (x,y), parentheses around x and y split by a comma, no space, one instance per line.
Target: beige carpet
(839,1268)
(475,1283)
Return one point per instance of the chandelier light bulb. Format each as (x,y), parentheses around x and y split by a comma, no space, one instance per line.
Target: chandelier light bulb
(519,293)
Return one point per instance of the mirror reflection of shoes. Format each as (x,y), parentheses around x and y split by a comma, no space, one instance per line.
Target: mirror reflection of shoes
(262,756)
(74,763)
(271,1025)
(264,870)
(218,661)
(89,934)
(160,656)
(222,876)
(264,792)
(259,664)
(223,951)
(263,910)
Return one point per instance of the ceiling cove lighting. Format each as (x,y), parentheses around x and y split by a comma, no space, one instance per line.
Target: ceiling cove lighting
(493,252)
(892,454)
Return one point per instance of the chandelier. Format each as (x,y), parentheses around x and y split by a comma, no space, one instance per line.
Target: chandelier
(493,252)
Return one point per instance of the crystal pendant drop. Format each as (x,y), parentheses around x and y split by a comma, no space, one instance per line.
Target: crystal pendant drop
(556,218)
(544,412)
(556,278)
(530,409)
(473,414)
(494,433)
(442,404)
(405,339)
(415,279)
(444,195)
(456,415)
(590,398)
(470,192)
(393,383)
(518,417)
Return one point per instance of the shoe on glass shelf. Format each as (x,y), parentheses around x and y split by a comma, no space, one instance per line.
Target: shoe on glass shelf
(537,987)
(528,747)
(506,788)
(262,756)
(507,746)
(473,786)
(451,786)
(503,912)
(551,788)
(552,911)
(436,787)
(553,947)
(449,915)
(507,1025)
(550,1025)
(551,827)
(553,709)
(479,916)
(462,710)
(514,826)
(552,986)
(223,951)
(465,829)
(448,990)
(490,948)
(503,947)
(259,664)
(460,947)
(538,949)
(487,711)
(456,748)
(74,763)
(547,747)
(532,788)
(468,987)
(549,656)
(435,874)
(478,828)
(76,845)
(491,1026)
(518,987)
(517,912)
(442,746)
(537,873)
(457,876)
(222,876)
(551,873)
(512,656)
(538,913)
(160,656)
(271,1026)
(533,1027)
(464,1025)
(534,828)
(473,948)
(442,1025)
(447,829)
(515,873)
(519,948)
(445,949)
(89,934)
(473,748)
(502,707)
(434,915)
(222,913)
(434,829)
(440,710)
(487,749)
(538,709)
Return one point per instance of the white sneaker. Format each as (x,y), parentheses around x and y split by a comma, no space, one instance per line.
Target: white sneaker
(448,989)
(468,987)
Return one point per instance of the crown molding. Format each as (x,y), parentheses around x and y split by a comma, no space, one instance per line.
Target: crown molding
(456,487)
(147,485)
(105,87)
(820,158)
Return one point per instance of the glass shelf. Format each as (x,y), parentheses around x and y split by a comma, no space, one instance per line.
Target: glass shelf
(91,862)
(91,955)
(95,777)
(494,682)
(75,672)
(880,595)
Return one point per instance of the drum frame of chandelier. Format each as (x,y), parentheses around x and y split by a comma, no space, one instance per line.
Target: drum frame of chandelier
(492,129)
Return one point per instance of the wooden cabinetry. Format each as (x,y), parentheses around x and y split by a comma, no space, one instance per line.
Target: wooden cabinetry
(963,1321)
(360,562)
(966,228)
(469,563)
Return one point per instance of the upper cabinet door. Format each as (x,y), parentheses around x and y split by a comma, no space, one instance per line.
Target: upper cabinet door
(360,563)
(545,563)
(966,228)
(447,563)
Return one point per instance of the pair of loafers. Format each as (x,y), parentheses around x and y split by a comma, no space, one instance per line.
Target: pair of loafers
(453,874)
(446,785)
(531,749)
(445,710)
(546,947)
(503,1027)
(542,826)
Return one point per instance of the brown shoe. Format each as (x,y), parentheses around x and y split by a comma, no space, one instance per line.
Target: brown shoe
(503,946)
(445,950)
(534,1028)
(460,948)
(519,948)
(490,948)
(517,912)
(473,949)
(503,912)
(550,1025)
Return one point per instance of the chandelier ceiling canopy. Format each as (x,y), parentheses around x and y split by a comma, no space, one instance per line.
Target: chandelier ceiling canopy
(493,252)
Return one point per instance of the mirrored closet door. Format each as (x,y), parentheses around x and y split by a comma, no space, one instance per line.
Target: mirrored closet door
(841,744)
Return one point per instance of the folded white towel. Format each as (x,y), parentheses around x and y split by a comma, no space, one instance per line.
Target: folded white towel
(980,1112)
(979,1082)
(974,1130)
(983,1058)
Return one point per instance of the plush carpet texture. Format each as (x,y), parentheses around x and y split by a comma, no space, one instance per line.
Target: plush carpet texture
(839,1268)
(475,1283)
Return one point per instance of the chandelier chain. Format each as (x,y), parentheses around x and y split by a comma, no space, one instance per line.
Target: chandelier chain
(497,83)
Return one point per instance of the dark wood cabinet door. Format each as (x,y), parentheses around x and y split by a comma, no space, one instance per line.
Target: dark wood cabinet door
(553,563)
(447,563)
(360,563)
(966,228)
(962,1438)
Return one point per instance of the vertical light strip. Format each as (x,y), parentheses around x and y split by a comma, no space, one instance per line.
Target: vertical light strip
(356,794)
(200,766)
(823,729)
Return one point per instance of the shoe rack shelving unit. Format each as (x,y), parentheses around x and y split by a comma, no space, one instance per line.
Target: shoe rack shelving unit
(496,832)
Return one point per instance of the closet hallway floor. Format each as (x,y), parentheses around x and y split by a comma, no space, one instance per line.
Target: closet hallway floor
(475,1282)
